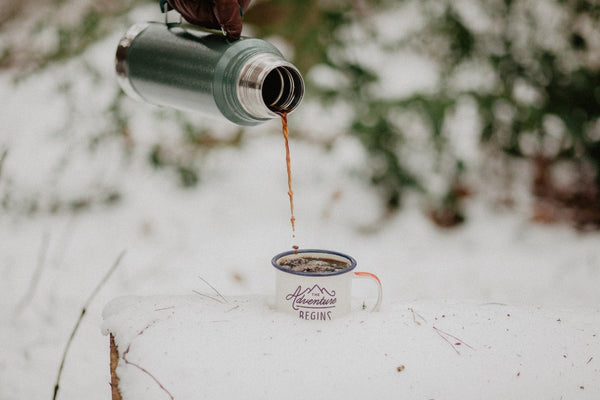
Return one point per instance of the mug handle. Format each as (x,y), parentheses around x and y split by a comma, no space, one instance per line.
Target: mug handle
(368,275)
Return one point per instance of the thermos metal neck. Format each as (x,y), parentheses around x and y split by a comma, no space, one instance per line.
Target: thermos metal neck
(268,86)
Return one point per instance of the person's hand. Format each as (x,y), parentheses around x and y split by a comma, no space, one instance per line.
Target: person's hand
(213,14)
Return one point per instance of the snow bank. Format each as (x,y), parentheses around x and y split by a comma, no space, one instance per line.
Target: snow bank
(199,348)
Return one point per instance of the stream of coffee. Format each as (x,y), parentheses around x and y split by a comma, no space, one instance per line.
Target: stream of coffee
(286,136)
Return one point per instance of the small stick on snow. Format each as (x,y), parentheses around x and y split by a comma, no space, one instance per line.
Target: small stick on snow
(144,370)
(83,311)
(414,315)
(215,290)
(446,335)
(206,295)
(233,308)
(124,358)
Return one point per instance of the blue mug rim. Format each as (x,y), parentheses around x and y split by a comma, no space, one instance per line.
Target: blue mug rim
(313,274)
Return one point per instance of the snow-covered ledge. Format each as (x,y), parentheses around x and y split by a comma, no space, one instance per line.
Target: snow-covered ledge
(194,347)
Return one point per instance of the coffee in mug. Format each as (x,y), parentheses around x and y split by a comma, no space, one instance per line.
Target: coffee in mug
(317,284)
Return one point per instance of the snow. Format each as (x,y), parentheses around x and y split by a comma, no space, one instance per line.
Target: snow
(204,349)
(225,231)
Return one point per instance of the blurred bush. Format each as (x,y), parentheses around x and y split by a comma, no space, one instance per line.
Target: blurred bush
(495,82)
(38,32)
(529,70)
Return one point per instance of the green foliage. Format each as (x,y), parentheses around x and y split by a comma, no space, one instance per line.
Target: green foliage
(537,95)
(540,98)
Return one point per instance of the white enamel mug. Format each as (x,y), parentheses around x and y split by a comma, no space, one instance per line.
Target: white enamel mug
(317,296)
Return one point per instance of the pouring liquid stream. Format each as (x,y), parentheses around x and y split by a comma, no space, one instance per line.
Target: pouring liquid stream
(286,135)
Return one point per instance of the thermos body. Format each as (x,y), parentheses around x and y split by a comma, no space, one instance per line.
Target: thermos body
(247,80)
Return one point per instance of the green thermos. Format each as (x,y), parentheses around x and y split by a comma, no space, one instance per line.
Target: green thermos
(246,80)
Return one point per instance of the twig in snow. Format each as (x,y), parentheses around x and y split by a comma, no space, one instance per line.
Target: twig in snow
(215,290)
(165,308)
(206,295)
(446,336)
(447,341)
(35,278)
(83,311)
(414,315)
(144,370)
(149,374)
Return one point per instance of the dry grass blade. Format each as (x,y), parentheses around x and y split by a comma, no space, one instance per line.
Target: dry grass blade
(214,290)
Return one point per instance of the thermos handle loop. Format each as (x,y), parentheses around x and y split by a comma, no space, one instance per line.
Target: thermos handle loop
(165,7)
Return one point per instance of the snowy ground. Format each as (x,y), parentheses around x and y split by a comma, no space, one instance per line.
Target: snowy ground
(225,230)
(414,349)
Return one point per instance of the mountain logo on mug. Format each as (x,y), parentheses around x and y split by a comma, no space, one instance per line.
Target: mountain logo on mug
(312,298)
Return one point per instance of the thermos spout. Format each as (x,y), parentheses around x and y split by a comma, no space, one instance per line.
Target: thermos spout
(247,81)
(269,85)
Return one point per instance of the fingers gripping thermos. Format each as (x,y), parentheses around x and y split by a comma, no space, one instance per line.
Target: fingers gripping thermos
(247,80)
